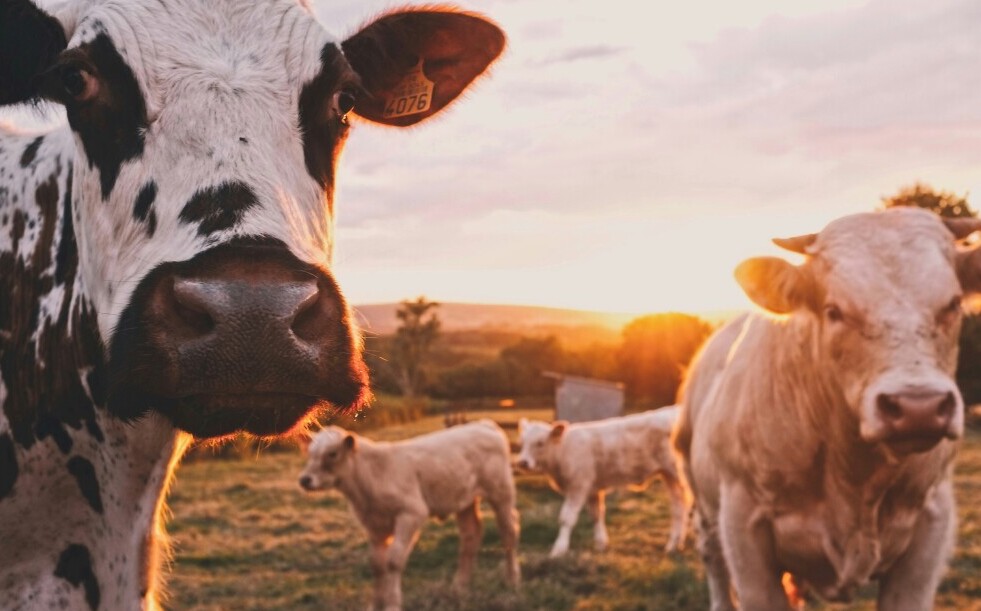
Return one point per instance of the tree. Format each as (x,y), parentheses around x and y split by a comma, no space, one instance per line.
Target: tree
(655,351)
(413,339)
(922,195)
(526,360)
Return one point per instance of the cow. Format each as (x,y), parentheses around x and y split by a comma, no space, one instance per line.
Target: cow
(817,436)
(394,488)
(583,461)
(165,257)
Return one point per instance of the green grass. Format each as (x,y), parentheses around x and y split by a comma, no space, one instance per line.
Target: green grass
(245,537)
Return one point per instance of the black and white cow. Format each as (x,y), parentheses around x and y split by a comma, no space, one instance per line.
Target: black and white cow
(165,257)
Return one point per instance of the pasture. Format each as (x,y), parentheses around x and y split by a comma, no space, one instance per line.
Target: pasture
(246,537)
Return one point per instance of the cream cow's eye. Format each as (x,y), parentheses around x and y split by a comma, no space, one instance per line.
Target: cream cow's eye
(833,313)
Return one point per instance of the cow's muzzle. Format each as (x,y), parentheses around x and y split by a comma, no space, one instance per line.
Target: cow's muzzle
(915,419)
(243,337)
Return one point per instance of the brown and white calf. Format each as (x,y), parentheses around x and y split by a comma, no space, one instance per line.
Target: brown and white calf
(584,461)
(165,257)
(818,442)
(394,488)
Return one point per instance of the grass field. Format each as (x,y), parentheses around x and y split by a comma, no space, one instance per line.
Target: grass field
(246,537)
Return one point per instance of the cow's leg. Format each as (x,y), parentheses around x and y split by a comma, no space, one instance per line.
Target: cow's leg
(597,509)
(388,561)
(471,530)
(911,583)
(574,500)
(747,543)
(509,527)
(679,511)
(716,571)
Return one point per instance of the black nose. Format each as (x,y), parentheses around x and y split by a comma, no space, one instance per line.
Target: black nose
(243,336)
(221,311)
(244,328)
(306,482)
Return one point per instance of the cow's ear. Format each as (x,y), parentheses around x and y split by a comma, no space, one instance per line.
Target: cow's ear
(969,268)
(413,63)
(303,439)
(774,284)
(558,429)
(350,442)
(30,41)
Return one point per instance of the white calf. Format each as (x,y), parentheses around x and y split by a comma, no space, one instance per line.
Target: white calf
(395,487)
(584,461)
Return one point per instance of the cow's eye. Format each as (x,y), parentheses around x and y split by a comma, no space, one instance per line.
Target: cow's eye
(78,83)
(332,455)
(833,313)
(345,102)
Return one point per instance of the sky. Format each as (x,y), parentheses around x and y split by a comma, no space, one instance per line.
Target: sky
(627,160)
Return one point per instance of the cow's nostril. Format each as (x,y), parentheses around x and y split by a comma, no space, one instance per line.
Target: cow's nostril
(315,318)
(305,482)
(889,407)
(190,308)
(946,408)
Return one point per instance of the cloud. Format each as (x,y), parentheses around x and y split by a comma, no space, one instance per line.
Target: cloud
(584,52)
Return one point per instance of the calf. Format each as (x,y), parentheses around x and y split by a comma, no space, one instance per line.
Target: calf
(583,461)
(395,487)
(819,442)
(165,257)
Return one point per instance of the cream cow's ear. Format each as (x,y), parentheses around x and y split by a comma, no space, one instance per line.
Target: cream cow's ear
(774,284)
(350,442)
(558,429)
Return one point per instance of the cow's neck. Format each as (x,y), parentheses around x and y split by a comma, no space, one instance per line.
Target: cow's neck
(80,491)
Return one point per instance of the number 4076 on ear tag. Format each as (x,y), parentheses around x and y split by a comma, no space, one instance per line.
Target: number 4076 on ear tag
(411,96)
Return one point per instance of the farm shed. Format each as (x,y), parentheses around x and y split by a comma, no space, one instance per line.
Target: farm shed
(579,399)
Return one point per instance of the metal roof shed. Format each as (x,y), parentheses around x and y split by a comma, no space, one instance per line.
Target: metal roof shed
(579,399)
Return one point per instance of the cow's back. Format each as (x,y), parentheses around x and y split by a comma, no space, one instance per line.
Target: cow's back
(454,465)
(616,452)
(701,379)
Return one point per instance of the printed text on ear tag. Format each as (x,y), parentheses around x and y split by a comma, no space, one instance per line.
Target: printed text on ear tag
(411,96)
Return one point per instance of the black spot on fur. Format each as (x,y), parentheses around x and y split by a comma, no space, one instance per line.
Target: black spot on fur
(218,208)
(75,567)
(49,426)
(30,152)
(88,483)
(323,133)
(143,209)
(111,126)
(66,260)
(8,465)
(30,40)
(46,401)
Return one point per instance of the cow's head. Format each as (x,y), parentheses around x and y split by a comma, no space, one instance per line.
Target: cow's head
(207,135)
(884,292)
(329,456)
(539,441)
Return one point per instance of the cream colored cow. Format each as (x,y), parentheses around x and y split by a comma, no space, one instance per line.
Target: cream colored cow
(583,461)
(819,442)
(394,488)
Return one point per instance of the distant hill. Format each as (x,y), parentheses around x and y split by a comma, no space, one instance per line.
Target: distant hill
(380,318)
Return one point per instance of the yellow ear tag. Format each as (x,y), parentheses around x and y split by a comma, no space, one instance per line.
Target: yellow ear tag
(411,96)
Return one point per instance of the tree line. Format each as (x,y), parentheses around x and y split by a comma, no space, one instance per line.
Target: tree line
(649,357)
